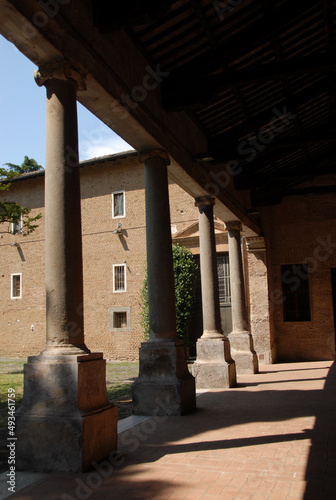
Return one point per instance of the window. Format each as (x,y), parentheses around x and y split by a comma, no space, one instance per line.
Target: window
(118,205)
(17,226)
(119,278)
(16,286)
(223,270)
(295,289)
(120,319)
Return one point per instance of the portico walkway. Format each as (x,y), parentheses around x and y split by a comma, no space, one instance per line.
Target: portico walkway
(273,437)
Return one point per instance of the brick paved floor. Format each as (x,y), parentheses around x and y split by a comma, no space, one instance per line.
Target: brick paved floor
(272,437)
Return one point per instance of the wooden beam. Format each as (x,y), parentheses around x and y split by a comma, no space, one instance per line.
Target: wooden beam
(108,16)
(275,195)
(222,150)
(254,179)
(195,90)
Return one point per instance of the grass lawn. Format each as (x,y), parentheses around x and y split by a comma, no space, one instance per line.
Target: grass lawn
(119,379)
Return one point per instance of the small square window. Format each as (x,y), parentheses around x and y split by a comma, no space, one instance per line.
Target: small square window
(16,286)
(118,205)
(119,278)
(120,319)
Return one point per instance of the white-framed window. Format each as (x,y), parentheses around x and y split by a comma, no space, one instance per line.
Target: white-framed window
(120,319)
(118,205)
(119,278)
(17,226)
(16,286)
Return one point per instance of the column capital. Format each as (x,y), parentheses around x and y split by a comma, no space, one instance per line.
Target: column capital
(204,200)
(60,70)
(233,224)
(153,153)
(255,244)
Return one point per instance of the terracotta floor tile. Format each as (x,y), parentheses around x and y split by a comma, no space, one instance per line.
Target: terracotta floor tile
(252,442)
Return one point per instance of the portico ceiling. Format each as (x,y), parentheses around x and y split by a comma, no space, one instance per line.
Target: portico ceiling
(241,93)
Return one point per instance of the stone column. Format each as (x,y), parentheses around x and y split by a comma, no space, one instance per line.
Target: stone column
(65,422)
(214,366)
(164,385)
(240,338)
(262,334)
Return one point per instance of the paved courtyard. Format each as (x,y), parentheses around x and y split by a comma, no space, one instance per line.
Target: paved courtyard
(272,437)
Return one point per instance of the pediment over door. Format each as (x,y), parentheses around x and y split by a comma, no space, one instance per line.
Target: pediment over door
(189,236)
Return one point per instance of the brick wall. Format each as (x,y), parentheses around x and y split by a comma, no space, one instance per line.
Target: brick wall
(296,231)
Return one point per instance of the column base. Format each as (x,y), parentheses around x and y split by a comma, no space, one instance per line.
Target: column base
(214,368)
(65,422)
(164,385)
(243,353)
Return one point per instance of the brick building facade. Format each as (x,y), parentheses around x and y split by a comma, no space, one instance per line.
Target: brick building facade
(114,254)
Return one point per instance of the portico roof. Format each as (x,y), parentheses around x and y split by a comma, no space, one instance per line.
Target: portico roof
(241,93)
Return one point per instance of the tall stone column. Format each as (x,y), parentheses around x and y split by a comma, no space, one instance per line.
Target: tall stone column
(164,385)
(240,338)
(65,421)
(214,366)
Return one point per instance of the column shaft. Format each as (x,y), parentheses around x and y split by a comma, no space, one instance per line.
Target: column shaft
(240,338)
(63,241)
(239,314)
(161,290)
(209,277)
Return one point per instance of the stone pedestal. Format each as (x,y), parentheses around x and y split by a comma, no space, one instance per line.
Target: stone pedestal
(240,338)
(243,353)
(65,422)
(214,367)
(164,385)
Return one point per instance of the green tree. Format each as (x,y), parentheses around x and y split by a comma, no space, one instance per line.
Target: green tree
(10,211)
(185,274)
(28,165)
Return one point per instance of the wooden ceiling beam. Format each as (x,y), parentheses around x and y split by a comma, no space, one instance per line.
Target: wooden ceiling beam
(195,90)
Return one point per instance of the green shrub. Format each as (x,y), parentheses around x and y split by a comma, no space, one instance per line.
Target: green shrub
(185,275)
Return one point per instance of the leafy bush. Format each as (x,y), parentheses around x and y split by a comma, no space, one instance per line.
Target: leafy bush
(185,274)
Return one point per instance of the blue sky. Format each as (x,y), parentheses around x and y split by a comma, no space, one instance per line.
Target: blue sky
(22,115)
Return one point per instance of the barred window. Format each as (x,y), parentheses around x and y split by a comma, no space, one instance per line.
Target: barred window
(120,319)
(118,204)
(119,278)
(16,286)
(223,270)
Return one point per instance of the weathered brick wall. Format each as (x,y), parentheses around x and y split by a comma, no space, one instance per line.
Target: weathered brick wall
(22,321)
(296,231)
